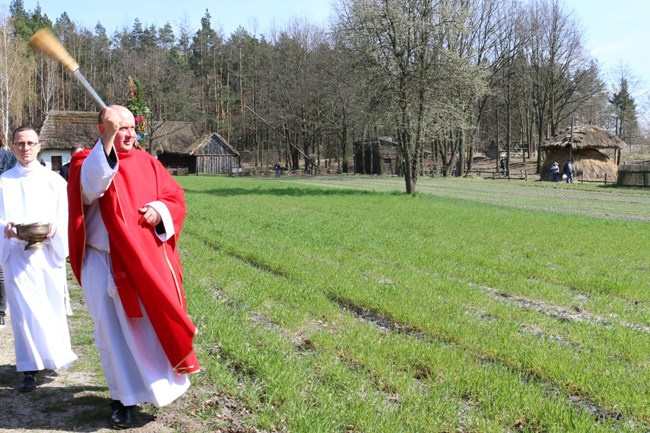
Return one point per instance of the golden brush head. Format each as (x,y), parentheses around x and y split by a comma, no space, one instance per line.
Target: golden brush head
(45,41)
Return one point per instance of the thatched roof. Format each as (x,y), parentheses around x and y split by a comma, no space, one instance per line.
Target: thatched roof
(65,129)
(584,137)
(175,137)
(185,138)
(213,144)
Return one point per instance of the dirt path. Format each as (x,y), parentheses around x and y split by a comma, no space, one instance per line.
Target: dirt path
(76,400)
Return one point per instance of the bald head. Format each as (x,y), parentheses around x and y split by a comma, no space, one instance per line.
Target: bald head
(117,125)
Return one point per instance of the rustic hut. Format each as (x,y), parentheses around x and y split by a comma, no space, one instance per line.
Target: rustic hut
(63,130)
(377,157)
(593,150)
(182,151)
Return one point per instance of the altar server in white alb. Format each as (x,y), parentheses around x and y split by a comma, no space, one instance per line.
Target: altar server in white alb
(35,279)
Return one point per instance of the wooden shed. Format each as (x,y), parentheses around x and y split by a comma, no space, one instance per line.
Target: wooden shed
(63,130)
(382,156)
(636,175)
(207,154)
(593,150)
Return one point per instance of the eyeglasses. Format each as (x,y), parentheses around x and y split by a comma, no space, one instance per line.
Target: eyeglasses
(25,144)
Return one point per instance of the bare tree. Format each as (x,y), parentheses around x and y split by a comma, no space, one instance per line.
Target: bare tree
(410,49)
(563,77)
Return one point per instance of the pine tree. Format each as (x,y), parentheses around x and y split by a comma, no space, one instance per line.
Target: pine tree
(625,117)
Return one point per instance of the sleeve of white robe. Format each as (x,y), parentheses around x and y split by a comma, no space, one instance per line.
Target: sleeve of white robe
(96,174)
(166,219)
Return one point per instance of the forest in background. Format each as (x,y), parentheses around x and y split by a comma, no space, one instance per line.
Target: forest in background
(441,78)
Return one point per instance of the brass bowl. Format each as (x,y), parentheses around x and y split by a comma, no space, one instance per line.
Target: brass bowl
(34,234)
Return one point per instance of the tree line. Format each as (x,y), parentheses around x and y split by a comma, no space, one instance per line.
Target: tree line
(442,78)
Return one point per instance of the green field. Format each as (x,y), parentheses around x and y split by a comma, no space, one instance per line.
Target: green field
(344,305)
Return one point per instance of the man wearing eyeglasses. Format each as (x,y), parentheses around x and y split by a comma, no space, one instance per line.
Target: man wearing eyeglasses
(35,277)
(7,161)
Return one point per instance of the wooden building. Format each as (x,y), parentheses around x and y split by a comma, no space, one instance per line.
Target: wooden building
(209,154)
(382,156)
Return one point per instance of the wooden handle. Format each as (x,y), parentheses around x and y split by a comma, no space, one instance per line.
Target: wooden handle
(45,42)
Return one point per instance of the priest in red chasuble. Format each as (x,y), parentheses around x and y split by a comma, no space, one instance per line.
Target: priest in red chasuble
(126,213)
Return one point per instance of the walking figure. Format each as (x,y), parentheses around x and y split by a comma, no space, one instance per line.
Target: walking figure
(568,171)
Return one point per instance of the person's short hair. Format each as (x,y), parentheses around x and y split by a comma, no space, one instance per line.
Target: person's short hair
(21,129)
(76,148)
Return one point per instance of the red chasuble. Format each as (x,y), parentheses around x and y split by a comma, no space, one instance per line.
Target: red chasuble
(147,271)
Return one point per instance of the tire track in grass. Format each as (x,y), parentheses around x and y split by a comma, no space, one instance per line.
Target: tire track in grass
(529,329)
(303,346)
(242,258)
(388,325)
(558,312)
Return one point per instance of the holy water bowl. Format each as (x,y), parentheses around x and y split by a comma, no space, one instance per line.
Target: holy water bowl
(34,234)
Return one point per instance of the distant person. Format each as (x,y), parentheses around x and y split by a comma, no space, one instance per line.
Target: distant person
(555,172)
(7,161)
(502,164)
(278,169)
(568,171)
(65,168)
(36,278)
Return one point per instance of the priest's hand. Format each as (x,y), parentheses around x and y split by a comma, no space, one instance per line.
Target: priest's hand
(149,216)
(109,127)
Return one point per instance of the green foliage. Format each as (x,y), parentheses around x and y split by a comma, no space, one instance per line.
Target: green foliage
(138,107)
(26,23)
(624,112)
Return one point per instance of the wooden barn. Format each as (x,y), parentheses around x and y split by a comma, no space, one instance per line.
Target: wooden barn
(63,130)
(182,152)
(378,157)
(593,150)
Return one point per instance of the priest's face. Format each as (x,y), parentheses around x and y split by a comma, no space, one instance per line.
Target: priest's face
(26,147)
(126,136)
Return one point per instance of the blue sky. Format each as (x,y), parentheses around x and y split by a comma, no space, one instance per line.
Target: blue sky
(617,32)
(258,16)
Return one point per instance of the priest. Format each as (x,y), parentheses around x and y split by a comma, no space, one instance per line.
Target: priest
(126,213)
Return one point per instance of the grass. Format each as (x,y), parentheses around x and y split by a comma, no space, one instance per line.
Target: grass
(343,305)
(419,308)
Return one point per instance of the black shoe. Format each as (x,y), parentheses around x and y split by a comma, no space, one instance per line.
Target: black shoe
(121,417)
(29,381)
